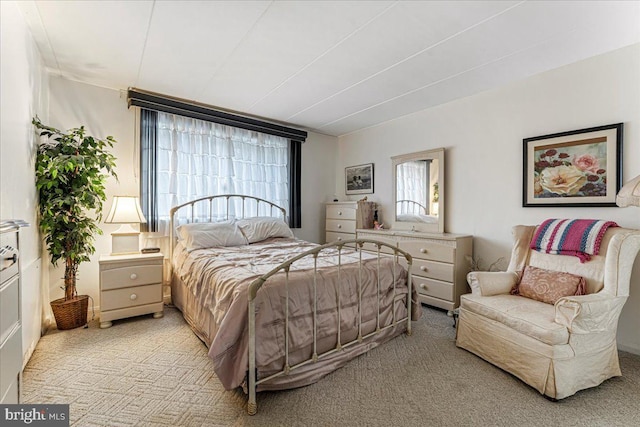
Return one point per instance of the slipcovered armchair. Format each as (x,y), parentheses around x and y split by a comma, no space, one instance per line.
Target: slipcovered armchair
(561,348)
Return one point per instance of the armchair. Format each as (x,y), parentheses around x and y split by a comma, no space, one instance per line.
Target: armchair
(557,349)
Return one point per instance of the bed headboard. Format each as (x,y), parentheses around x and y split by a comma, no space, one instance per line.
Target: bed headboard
(220,208)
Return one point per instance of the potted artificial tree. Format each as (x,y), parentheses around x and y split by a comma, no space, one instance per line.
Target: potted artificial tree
(71,173)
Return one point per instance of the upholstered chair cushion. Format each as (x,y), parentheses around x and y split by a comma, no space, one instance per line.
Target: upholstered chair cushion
(548,286)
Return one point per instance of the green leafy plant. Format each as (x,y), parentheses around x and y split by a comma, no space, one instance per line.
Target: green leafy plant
(71,172)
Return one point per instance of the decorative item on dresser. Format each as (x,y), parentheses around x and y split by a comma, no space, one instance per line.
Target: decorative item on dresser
(343,218)
(10,312)
(440,263)
(130,285)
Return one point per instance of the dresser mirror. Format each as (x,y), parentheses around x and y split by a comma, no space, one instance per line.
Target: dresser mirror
(418,191)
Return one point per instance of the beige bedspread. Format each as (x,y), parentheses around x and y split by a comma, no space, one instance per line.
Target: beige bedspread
(219,279)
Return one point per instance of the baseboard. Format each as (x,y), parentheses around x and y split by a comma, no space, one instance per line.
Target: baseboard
(26,356)
(633,350)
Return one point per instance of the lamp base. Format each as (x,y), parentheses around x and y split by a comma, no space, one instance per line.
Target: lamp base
(125,241)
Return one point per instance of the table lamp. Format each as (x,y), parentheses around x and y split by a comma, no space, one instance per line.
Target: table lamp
(125,210)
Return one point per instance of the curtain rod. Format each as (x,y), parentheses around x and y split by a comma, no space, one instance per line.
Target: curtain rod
(167,104)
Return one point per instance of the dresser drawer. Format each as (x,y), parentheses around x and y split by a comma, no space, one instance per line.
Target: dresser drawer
(433,288)
(333,237)
(9,307)
(429,250)
(131,276)
(341,226)
(431,269)
(341,212)
(129,297)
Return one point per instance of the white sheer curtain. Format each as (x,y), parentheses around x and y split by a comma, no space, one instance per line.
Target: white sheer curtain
(198,158)
(411,179)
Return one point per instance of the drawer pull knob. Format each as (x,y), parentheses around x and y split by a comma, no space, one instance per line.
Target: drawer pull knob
(133,276)
(423,250)
(133,297)
(339,239)
(423,268)
(423,286)
(339,225)
(339,212)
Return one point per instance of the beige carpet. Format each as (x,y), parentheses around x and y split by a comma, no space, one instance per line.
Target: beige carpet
(155,372)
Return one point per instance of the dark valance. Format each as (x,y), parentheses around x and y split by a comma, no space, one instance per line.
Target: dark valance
(167,104)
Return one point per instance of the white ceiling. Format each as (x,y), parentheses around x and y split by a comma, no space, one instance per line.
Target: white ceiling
(329,66)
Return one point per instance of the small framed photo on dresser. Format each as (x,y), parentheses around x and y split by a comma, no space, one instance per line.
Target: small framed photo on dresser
(359,179)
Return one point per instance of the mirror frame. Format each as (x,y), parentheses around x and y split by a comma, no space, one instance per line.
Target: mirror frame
(435,154)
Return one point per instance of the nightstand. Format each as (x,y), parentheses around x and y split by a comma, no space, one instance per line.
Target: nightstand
(130,285)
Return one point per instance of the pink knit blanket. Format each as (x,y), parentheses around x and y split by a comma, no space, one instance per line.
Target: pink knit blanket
(579,237)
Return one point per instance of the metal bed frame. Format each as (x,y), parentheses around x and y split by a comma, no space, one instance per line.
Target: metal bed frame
(255,286)
(411,206)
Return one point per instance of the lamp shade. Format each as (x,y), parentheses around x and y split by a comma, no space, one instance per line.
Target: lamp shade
(125,210)
(629,194)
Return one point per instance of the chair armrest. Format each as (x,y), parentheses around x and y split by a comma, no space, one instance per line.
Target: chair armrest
(487,283)
(583,314)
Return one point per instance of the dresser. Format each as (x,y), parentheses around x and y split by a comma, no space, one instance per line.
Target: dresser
(130,285)
(10,316)
(440,262)
(343,218)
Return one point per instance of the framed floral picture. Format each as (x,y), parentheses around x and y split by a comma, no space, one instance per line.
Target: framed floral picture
(575,168)
(359,179)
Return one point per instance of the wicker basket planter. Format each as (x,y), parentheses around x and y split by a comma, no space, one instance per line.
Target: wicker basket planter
(72,313)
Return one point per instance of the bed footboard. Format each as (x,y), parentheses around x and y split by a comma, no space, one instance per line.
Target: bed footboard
(316,356)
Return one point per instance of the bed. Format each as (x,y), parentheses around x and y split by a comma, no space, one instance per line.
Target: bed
(277,312)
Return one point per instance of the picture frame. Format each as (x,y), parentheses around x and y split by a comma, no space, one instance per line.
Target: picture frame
(573,169)
(359,179)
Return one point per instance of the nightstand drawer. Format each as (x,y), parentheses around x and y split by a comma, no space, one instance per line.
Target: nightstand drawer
(131,276)
(341,226)
(129,297)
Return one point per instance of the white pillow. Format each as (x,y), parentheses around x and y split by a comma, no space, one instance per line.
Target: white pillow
(202,235)
(260,228)
(184,229)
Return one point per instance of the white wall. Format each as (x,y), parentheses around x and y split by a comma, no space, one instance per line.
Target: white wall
(104,112)
(318,182)
(483,137)
(23,94)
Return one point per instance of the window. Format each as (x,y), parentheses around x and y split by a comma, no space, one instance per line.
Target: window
(184,158)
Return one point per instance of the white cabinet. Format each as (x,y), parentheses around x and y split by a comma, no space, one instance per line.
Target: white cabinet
(130,285)
(440,262)
(10,316)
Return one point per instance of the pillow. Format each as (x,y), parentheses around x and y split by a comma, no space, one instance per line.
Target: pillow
(260,228)
(183,230)
(204,235)
(548,286)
